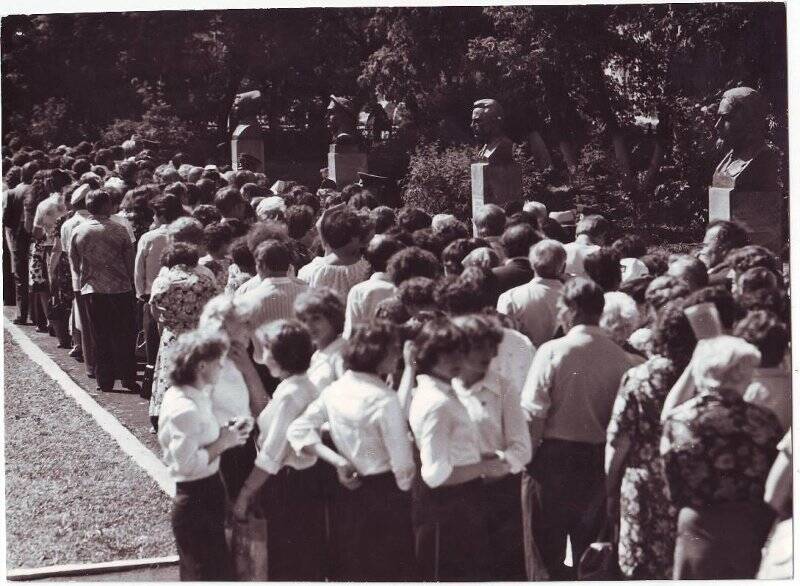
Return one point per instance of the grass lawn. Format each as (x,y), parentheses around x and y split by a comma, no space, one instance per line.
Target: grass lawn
(72,496)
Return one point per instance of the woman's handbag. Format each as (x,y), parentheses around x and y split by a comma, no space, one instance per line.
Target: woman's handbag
(600,561)
(249,547)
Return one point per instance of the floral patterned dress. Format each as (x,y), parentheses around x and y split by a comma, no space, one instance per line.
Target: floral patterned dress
(180,295)
(648,520)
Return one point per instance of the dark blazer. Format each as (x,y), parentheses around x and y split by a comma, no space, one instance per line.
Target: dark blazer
(515,272)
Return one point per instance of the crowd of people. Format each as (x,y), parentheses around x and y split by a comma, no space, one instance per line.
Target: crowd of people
(406,396)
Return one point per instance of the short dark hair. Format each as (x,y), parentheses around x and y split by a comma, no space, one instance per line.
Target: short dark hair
(584,296)
(226,200)
(694,272)
(469,292)
(412,262)
(289,343)
(241,255)
(192,348)
(438,337)
(454,253)
(179,253)
(380,249)
(756,278)
(206,214)
(273,255)
(594,226)
(299,220)
(748,257)
(97,200)
(630,246)
(265,230)
(186,229)
(673,336)
(518,239)
(553,230)
(773,300)
(480,329)
(323,301)
(522,217)
(363,199)
(410,219)
(168,206)
(383,218)
(392,310)
(340,226)
(730,235)
(179,189)
(602,266)
(764,330)
(636,288)
(656,264)
(367,346)
(29,170)
(217,236)
(428,240)
(664,289)
(417,291)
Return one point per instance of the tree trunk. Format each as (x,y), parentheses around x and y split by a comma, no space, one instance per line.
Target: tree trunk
(541,155)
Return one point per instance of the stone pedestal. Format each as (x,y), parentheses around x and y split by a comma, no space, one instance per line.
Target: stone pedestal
(761,212)
(248,140)
(497,184)
(343,168)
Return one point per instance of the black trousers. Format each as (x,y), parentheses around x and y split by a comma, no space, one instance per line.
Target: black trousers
(571,503)
(450,536)
(502,503)
(721,542)
(152,337)
(9,297)
(20,257)
(198,522)
(112,318)
(295,510)
(373,532)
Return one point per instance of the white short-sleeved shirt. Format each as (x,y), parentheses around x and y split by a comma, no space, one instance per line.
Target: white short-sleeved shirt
(445,434)
(341,278)
(533,307)
(577,251)
(290,399)
(326,364)
(186,424)
(363,298)
(366,424)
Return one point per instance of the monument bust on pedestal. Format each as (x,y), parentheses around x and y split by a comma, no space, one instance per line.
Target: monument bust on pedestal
(496,178)
(744,187)
(345,154)
(247,141)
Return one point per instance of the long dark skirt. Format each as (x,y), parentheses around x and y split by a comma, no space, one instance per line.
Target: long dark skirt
(294,507)
(112,320)
(721,542)
(502,503)
(198,522)
(450,532)
(373,533)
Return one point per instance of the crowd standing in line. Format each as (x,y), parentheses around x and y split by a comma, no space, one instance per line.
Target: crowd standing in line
(400,399)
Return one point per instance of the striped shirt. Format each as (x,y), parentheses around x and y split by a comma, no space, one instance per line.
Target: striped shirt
(272,300)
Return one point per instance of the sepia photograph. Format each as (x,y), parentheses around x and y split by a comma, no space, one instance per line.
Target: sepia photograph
(405,293)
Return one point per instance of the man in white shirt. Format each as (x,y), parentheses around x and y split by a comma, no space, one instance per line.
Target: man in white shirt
(590,235)
(568,397)
(533,305)
(364,297)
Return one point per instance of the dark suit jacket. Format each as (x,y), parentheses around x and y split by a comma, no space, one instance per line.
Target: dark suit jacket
(515,272)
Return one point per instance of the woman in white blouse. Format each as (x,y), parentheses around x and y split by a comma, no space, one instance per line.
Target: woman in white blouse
(192,442)
(493,404)
(450,527)
(372,456)
(321,310)
(239,392)
(293,498)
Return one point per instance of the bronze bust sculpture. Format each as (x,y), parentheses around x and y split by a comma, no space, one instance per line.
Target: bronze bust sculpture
(487,126)
(342,125)
(750,164)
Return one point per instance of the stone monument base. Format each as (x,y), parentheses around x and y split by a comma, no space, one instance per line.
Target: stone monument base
(343,168)
(761,212)
(497,184)
(248,141)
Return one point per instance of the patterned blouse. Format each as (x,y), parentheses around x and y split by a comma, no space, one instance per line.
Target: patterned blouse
(717,448)
(180,294)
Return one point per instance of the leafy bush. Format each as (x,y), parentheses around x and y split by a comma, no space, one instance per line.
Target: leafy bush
(439,181)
